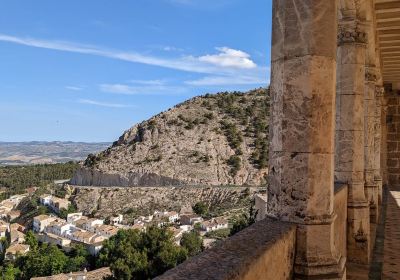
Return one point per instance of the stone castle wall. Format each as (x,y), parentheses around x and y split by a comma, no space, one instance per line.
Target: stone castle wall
(393,138)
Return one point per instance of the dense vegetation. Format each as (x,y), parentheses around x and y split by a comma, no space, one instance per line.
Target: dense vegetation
(245,220)
(142,255)
(44,259)
(15,179)
(130,254)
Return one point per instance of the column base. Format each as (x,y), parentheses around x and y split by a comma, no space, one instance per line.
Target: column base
(358,233)
(334,271)
(316,254)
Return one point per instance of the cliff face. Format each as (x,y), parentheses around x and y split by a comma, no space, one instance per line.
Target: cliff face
(105,202)
(209,140)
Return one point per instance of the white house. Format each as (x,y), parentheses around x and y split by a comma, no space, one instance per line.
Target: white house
(116,219)
(60,228)
(73,217)
(45,199)
(106,230)
(16,250)
(90,224)
(190,219)
(172,217)
(214,224)
(41,222)
(4,228)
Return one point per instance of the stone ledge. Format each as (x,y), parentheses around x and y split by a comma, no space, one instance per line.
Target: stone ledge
(267,247)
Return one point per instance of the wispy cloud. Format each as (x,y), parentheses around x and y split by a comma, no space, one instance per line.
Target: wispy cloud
(226,61)
(74,88)
(103,104)
(144,89)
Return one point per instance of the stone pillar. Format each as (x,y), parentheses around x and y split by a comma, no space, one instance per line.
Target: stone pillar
(384,157)
(349,159)
(301,162)
(371,188)
(379,91)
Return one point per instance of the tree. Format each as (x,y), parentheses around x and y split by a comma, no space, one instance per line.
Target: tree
(64,212)
(31,240)
(193,243)
(245,220)
(45,260)
(79,258)
(200,208)
(10,272)
(131,254)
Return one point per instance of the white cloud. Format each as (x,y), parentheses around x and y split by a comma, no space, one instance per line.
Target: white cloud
(172,49)
(103,104)
(149,82)
(227,80)
(226,61)
(143,89)
(74,88)
(229,58)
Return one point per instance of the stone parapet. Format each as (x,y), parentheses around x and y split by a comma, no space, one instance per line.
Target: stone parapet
(265,250)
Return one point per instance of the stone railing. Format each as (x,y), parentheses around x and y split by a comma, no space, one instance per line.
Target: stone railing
(264,250)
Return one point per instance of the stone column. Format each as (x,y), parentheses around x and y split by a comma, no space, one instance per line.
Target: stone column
(301,162)
(349,159)
(384,156)
(379,91)
(371,188)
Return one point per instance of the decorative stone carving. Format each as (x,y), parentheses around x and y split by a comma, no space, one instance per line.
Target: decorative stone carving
(361,236)
(370,75)
(379,91)
(352,32)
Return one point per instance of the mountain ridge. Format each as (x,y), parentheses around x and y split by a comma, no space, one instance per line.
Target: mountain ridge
(213,139)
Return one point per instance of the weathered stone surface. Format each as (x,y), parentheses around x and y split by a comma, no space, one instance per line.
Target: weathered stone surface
(104,201)
(353,124)
(301,163)
(263,251)
(303,28)
(292,194)
(358,238)
(340,209)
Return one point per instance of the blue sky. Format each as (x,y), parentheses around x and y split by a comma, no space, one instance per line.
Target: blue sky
(88,70)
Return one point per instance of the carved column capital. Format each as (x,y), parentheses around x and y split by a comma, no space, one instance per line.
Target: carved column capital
(352,32)
(379,91)
(370,74)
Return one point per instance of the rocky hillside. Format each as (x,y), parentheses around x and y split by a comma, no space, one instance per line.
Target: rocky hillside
(105,202)
(208,140)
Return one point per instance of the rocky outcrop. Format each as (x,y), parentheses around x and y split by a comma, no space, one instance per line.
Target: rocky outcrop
(209,140)
(88,177)
(105,201)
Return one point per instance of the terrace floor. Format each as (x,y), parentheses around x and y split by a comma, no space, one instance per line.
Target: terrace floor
(386,258)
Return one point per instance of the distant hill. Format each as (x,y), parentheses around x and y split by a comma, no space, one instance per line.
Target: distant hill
(21,153)
(214,139)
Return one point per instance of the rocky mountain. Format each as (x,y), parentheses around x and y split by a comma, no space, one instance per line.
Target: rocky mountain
(37,152)
(208,140)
